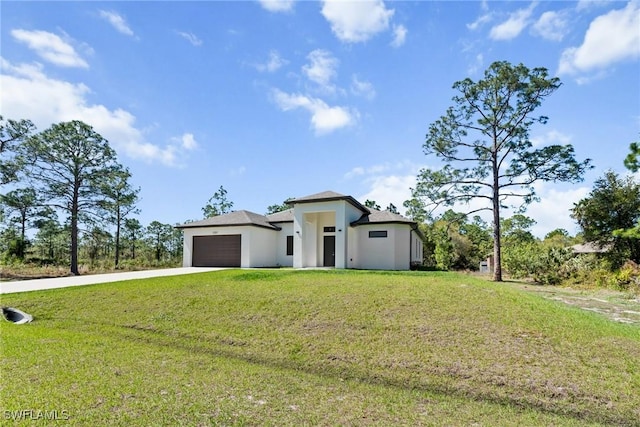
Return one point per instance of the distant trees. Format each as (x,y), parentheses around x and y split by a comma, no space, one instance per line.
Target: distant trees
(119,202)
(632,161)
(455,242)
(132,234)
(71,166)
(392,208)
(159,238)
(218,204)
(67,200)
(374,205)
(483,140)
(613,205)
(13,133)
(20,206)
(371,204)
(275,208)
(416,209)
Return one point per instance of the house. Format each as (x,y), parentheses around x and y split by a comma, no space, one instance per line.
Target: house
(590,248)
(327,229)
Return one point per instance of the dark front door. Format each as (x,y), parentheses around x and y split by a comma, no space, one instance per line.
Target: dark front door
(329,251)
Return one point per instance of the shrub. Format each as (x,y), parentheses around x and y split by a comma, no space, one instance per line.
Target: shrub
(534,260)
(627,278)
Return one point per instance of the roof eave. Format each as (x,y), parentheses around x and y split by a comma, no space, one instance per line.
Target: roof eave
(272,227)
(348,199)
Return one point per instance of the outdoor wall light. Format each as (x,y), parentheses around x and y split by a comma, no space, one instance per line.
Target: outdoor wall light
(339,230)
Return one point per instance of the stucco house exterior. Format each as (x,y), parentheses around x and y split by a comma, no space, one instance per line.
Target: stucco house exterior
(327,229)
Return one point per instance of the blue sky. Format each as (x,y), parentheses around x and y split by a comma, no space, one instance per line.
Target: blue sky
(277,99)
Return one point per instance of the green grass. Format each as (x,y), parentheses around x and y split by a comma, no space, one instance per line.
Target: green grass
(283,347)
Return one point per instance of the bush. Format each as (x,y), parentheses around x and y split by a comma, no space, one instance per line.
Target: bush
(534,260)
(627,278)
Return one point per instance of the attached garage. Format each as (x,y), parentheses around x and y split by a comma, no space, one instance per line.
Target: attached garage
(217,251)
(237,239)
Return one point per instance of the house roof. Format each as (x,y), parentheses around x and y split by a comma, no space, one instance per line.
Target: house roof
(282,216)
(243,217)
(381,217)
(234,218)
(328,196)
(590,248)
(386,217)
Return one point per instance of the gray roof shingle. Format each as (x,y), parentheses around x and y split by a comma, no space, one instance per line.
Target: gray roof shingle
(379,217)
(282,216)
(327,196)
(234,218)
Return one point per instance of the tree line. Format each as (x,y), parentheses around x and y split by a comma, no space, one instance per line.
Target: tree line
(70,172)
(488,161)
(66,200)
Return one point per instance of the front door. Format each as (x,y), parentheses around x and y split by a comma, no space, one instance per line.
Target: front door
(329,251)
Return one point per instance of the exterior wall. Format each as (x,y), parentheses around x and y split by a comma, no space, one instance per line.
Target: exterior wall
(375,253)
(417,248)
(402,259)
(282,259)
(262,244)
(353,246)
(378,253)
(257,244)
(308,226)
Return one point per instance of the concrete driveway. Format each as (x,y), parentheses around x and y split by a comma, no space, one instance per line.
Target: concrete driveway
(91,279)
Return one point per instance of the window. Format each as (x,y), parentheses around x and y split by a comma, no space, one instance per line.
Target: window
(382,233)
(289,245)
(329,229)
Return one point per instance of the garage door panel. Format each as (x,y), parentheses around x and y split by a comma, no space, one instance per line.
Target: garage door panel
(217,251)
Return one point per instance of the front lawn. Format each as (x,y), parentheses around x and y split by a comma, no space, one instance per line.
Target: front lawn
(284,347)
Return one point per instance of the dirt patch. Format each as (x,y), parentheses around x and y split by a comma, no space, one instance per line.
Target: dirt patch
(619,306)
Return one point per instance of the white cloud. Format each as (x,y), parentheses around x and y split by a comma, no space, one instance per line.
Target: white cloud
(590,4)
(386,189)
(551,137)
(512,27)
(357,21)
(117,21)
(324,118)
(362,88)
(391,183)
(376,170)
(238,171)
(399,35)
(188,141)
(357,171)
(477,64)
(28,93)
(274,63)
(321,68)
(610,38)
(387,182)
(554,208)
(190,37)
(50,47)
(551,26)
(277,5)
(551,212)
(481,21)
